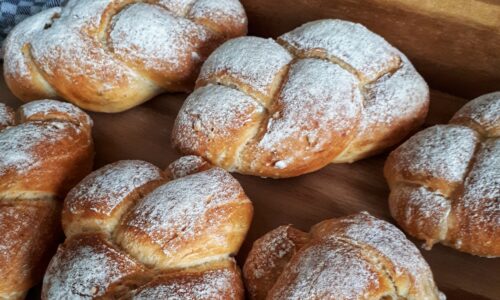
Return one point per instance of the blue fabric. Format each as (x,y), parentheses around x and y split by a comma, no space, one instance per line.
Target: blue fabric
(14,11)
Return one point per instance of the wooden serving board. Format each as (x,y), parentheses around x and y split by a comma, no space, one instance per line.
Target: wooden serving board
(337,190)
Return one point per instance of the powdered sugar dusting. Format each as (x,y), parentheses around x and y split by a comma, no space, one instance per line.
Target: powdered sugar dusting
(84,272)
(107,187)
(87,264)
(393,97)
(426,210)
(214,111)
(326,270)
(6,116)
(45,107)
(18,144)
(12,225)
(211,284)
(485,111)
(178,7)
(186,165)
(218,10)
(144,40)
(442,151)
(341,260)
(319,105)
(254,61)
(481,196)
(369,54)
(84,55)
(314,107)
(15,63)
(390,242)
(272,246)
(67,51)
(456,154)
(175,209)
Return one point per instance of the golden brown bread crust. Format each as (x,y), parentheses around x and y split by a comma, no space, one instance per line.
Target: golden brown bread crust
(328,91)
(86,259)
(187,165)
(110,56)
(182,233)
(355,257)
(30,233)
(104,196)
(265,265)
(445,180)
(7,116)
(217,280)
(46,149)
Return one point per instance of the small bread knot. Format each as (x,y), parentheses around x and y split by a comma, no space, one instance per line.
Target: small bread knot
(445,180)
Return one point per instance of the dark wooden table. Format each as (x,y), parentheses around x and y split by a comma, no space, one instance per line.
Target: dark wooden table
(337,190)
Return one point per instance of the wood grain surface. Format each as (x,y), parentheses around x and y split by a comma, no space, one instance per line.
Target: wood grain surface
(337,190)
(455,44)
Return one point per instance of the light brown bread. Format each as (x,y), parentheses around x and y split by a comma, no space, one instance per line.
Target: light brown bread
(109,56)
(445,180)
(134,233)
(355,257)
(328,91)
(45,149)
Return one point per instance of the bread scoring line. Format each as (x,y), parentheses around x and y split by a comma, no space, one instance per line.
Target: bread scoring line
(453,198)
(260,128)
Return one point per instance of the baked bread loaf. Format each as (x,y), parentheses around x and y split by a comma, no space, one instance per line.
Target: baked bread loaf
(355,257)
(45,149)
(328,91)
(445,180)
(110,55)
(131,233)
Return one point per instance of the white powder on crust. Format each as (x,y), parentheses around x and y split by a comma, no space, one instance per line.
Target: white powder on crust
(156,38)
(253,61)
(369,54)
(16,63)
(442,151)
(21,145)
(18,144)
(218,10)
(85,272)
(210,285)
(327,270)
(186,165)
(45,107)
(72,50)
(484,110)
(107,187)
(481,198)
(175,209)
(319,99)
(318,107)
(6,116)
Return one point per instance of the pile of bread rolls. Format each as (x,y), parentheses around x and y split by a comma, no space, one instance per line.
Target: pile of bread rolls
(329,91)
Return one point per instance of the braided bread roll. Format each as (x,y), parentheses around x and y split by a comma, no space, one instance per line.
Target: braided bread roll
(45,149)
(111,55)
(131,233)
(445,180)
(328,91)
(355,257)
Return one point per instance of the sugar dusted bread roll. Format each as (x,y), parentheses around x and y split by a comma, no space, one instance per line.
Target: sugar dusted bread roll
(109,56)
(328,91)
(133,234)
(355,257)
(445,180)
(45,148)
